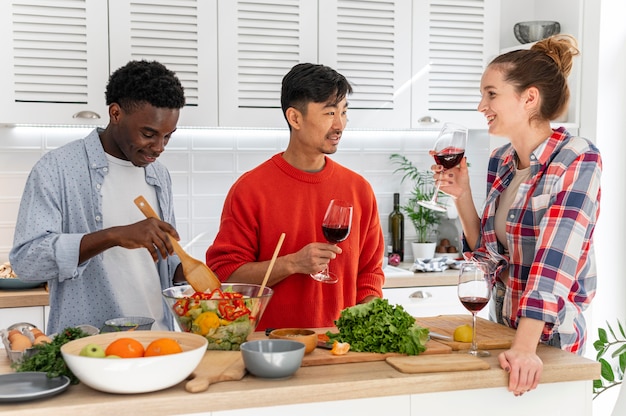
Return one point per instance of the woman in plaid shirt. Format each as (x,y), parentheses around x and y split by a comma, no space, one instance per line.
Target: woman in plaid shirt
(543,201)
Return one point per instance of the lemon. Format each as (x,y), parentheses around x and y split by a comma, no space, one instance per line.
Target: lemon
(463,333)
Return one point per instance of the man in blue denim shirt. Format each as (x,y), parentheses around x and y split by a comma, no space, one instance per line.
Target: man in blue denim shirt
(78,228)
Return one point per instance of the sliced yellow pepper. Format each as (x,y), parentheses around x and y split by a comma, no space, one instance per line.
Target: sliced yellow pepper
(206,321)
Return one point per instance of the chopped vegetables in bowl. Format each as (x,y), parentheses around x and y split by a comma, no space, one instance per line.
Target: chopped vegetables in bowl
(225,316)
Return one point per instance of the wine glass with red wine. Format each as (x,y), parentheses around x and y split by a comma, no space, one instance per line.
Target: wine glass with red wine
(474,290)
(448,152)
(336,228)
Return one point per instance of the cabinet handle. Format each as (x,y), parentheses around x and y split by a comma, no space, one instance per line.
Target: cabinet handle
(86,114)
(420,294)
(428,120)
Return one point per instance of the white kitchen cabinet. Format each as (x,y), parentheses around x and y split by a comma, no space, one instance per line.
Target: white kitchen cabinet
(452,44)
(31,314)
(396,405)
(182,35)
(406,60)
(54,61)
(366,41)
(58,55)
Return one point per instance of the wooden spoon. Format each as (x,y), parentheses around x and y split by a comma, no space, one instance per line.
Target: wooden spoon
(198,274)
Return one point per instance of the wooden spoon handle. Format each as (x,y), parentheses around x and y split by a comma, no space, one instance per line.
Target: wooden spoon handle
(149,212)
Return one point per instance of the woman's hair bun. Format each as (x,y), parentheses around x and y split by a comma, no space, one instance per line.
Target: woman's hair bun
(561,48)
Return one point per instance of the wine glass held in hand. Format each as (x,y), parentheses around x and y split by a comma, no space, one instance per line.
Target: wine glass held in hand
(336,228)
(474,290)
(448,152)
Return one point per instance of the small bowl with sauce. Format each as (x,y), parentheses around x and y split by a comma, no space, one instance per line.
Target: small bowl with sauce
(307,337)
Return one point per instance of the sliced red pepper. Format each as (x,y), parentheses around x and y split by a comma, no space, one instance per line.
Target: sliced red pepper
(181,307)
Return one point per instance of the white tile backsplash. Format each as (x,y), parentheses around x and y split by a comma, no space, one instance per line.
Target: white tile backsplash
(204,164)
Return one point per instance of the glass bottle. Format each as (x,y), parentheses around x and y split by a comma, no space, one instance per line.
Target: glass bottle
(396,228)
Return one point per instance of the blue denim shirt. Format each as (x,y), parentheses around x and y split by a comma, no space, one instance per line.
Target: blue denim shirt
(60,204)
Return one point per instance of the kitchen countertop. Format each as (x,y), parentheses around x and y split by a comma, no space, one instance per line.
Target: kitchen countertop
(309,385)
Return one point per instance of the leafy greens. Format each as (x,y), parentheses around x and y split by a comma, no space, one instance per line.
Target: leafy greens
(377,326)
(48,357)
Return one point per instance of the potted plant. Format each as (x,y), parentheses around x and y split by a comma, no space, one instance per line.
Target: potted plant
(424,220)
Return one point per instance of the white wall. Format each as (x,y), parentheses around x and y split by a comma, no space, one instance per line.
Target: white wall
(606,123)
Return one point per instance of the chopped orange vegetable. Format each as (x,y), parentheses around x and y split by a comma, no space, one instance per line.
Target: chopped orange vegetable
(323,337)
(340,348)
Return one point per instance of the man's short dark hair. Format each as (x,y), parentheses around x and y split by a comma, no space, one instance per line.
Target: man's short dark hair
(140,82)
(306,83)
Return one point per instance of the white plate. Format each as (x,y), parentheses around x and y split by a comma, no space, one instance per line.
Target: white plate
(19,387)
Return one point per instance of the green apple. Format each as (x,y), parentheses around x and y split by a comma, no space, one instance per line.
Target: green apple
(113,356)
(92,350)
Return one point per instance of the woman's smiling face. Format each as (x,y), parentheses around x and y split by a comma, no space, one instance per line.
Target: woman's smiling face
(501,104)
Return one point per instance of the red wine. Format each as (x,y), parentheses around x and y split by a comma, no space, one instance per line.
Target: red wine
(449,157)
(473,303)
(334,234)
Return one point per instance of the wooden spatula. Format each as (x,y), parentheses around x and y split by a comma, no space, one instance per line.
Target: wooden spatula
(199,276)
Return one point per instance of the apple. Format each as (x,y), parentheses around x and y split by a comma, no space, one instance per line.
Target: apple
(113,356)
(92,350)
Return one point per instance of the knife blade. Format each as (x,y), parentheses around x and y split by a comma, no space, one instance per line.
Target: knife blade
(442,337)
(324,345)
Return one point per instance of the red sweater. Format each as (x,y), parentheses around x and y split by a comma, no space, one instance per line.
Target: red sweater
(274,198)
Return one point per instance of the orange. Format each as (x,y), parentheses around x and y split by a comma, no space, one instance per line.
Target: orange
(125,348)
(340,348)
(162,346)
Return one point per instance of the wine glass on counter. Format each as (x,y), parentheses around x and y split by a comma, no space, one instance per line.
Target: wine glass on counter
(336,228)
(474,290)
(448,152)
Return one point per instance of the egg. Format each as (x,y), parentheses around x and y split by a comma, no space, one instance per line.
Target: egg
(36,332)
(42,339)
(20,342)
(12,333)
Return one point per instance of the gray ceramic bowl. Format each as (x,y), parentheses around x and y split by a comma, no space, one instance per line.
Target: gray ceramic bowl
(128,323)
(527,32)
(272,358)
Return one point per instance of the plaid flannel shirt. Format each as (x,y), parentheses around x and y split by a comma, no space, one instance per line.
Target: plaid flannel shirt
(549,228)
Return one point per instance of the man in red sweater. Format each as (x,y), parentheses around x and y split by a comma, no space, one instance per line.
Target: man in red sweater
(289,193)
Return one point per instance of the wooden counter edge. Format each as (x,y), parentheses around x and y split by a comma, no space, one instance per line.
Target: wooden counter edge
(310,384)
(24,298)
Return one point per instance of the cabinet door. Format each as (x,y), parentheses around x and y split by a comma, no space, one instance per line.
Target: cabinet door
(452,44)
(259,42)
(368,42)
(182,36)
(54,61)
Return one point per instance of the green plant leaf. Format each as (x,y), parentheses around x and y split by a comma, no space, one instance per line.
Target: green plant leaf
(423,219)
(606,371)
(611,330)
(598,345)
(622,363)
(621,329)
(602,335)
(597,384)
(621,350)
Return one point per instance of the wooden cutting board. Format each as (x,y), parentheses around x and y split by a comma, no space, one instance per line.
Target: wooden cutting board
(437,363)
(214,367)
(321,356)
(489,335)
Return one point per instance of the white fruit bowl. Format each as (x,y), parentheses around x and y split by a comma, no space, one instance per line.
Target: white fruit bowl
(134,375)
